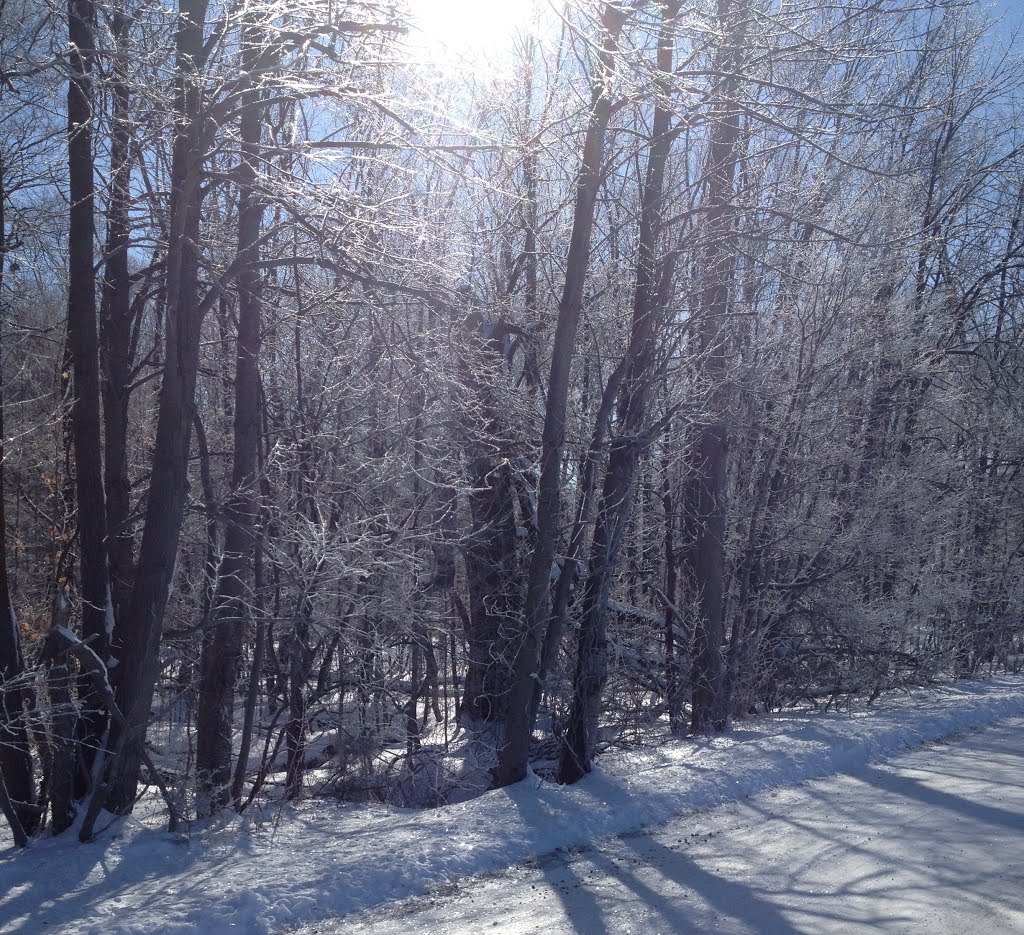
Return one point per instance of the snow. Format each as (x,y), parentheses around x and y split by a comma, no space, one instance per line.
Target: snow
(108,612)
(67,634)
(13,622)
(263,872)
(927,842)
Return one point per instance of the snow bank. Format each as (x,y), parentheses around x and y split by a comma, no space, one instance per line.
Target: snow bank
(262,873)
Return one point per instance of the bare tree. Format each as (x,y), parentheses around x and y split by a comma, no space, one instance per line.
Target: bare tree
(521,713)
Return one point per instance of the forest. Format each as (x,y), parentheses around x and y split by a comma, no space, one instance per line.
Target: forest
(389,424)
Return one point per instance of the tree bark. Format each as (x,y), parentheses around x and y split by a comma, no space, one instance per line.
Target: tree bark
(580,740)
(514,756)
(116,326)
(491,565)
(707,493)
(16,773)
(673,652)
(221,653)
(143,626)
(97,610)
(255,673)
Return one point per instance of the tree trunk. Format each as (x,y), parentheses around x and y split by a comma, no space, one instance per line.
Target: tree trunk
(97,610)
(586,496)
(514,755)
(221,653)
(253,691)
(673,665)
(16,774)
(519,719)
(116,327)
(490,572)
(141,631)
(580,739)
(491,561)
(707,494)
(62,766)
(295,729)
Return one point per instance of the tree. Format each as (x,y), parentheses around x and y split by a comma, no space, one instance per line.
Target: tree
(17,786)
(519,720)
(139,643)
(221,650)
(653,282)
(83,342)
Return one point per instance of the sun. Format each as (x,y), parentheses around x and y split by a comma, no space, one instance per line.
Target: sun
(472,30)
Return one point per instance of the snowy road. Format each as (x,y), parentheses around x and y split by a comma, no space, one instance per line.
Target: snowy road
(931,842)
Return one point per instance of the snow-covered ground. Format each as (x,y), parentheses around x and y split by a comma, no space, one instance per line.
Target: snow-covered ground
(268,871)
(929,842)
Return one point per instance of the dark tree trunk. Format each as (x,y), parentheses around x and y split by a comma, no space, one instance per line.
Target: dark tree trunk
(253,690)
(580,741)
(221,653)
(299,657)
(97,610)
(61,760)
(514,755)
(116,327)
(141,630)
(16,773)
(586,496)
(211,565)
(673,652)
(707,494)
(490,570)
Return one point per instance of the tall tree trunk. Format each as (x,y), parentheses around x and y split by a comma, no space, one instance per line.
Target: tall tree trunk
(586,496)
(221,654)
(673,652)
(97,610)
(519,719)
(580,740)
(296,727)
(255,674)
(116,325)
(61,760)
(490,570)
(16,774)
(707,493)
(491,566)
(143,625)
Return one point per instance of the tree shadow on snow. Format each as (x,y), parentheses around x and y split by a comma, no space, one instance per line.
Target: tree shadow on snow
(908,787)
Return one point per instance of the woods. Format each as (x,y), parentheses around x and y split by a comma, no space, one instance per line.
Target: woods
(384,426)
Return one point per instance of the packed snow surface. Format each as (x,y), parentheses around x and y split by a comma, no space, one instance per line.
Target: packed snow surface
(264,872)
(931,842)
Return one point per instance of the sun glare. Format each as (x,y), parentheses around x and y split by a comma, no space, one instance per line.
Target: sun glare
(470,30)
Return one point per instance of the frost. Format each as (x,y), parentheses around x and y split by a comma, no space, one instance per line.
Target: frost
(13,621)
(108,611)
(66,633)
